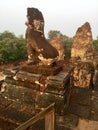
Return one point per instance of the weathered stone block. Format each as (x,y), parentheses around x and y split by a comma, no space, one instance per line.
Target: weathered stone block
(55,90)
(28,77)
(45,99)
(34,86)
(60,79)
(42,69)
(94,115)
(80,110)
(11,71)
(68,120)
(81,96)
(18,93)
(60,127)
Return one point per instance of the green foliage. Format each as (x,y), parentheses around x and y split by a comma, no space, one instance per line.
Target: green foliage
(12,48)
(65,39)
(95,42)
(6,34)
(53,33)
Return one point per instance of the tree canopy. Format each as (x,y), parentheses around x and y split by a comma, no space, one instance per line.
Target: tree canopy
(12,48)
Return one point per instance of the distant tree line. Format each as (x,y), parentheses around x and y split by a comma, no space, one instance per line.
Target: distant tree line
(13,48)
(95,42)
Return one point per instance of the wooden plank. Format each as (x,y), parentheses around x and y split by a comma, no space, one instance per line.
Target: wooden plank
(50,121)
(30,122)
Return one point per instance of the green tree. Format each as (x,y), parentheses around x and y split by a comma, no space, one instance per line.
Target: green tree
(53,33)
(95,42)
(6,34)
(20,48)
(12,48)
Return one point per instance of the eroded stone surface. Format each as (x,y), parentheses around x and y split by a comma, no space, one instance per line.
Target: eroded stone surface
(82,45)
(83,75)
(59,45)
(85,58)
(38,48)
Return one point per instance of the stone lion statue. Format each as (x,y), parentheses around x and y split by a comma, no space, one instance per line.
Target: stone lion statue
(38,48)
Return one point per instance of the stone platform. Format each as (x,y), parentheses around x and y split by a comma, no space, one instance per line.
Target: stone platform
(27,92)
(24,94)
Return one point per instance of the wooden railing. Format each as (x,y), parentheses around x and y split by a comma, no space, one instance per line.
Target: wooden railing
(49,115)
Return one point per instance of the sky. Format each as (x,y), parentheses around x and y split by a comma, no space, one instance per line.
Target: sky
(61,15)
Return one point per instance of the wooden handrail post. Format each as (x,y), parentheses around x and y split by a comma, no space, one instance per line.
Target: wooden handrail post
(48,114)
(50,120)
